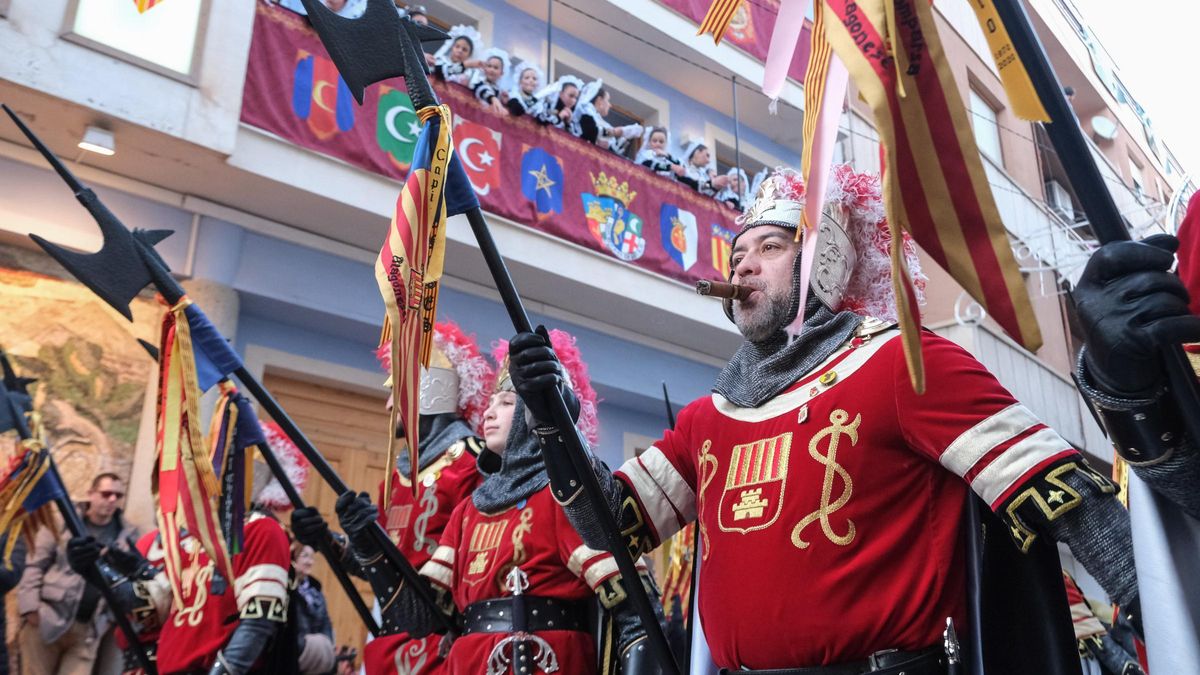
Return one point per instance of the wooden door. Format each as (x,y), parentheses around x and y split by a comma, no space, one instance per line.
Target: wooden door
(350,430)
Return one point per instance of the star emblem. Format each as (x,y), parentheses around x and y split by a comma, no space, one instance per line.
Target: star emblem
(1056,497)
(485,158)
(414,128)
(543,180)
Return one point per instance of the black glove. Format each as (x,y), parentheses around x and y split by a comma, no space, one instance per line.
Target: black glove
(1131,306)
(128,563)
(310,527)
(82,555)
(356,513)
(537,374)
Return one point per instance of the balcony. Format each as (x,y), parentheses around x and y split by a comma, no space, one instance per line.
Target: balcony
(1052,397)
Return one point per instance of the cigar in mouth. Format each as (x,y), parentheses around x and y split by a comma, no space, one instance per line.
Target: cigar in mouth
(721,289)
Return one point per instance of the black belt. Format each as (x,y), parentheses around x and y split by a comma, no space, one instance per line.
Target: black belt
(931,661)
(496,616)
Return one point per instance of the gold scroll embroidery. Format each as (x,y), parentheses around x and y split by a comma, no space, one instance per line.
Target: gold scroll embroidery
(836,429)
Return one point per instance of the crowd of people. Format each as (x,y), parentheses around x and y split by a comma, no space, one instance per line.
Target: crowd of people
(504,86)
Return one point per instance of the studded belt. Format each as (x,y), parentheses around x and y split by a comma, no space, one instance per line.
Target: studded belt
(541,614)
(930,661)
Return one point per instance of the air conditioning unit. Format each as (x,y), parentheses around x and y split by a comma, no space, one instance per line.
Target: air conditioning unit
(1060,200)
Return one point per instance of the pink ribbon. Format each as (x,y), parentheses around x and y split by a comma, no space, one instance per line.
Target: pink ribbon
(784,37)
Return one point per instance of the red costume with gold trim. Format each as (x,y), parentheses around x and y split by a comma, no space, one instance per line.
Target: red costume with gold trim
(415,525)
(479,549)
(194,633)
(455,383)
(844,495)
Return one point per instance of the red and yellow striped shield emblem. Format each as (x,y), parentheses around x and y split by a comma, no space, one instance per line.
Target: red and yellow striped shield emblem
(485,539)
(754,486)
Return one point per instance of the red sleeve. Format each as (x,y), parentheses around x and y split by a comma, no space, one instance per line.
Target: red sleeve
(262,566)
(592,566)
(663,478)
(1189,251)
(440,567)
(970,424)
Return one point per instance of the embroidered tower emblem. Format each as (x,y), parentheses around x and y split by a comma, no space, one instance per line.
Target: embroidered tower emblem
(754,485)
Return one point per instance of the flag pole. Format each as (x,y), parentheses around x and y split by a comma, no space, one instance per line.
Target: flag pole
(1084,175)
(75,526)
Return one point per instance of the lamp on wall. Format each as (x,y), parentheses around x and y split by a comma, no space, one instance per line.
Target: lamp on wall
(99,141)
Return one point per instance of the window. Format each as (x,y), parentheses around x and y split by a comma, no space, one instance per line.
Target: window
(987,129)
(164,37)
(1139,184)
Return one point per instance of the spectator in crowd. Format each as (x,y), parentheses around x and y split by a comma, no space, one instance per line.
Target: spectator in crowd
(556,103)
(589,124)
(453,62)
(314,630)
(655,156)
(698,172)
(734,192)
(522,97)
(64,619)
(415,12)
(485,81)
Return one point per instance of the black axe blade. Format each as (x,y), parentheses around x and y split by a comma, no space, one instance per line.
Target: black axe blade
(117,272)
(150,349)
(17,388)
(376,46)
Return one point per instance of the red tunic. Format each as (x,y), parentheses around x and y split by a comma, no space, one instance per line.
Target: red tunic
(415,526)
(191,636)
(476,554)
(831,515)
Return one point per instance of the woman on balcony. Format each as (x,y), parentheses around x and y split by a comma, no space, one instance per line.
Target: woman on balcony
(556,103)
(485,82)
(453,62)
(589,124)
(522,97)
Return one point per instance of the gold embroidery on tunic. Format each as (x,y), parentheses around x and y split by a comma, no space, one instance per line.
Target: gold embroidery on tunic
(754,485)
(485,538)
(708,471)
(524,527)
(836,429)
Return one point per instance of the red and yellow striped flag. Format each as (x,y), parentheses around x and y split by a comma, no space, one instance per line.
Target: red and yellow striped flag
(144,5)
(184,479)
(934,184)
(407,271)
(716,20)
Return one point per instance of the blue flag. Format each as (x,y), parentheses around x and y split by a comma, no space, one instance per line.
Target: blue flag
(215,358)
(542,181)
(48,488)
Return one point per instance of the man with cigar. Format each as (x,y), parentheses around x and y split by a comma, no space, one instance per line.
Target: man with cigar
(815,465)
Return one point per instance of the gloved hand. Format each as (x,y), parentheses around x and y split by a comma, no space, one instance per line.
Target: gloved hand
(1131,306)
(310,527)
(537,374)
(82,555)
(128,563)
(356,513)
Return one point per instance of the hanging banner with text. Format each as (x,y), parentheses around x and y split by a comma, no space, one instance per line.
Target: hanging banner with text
(538,176)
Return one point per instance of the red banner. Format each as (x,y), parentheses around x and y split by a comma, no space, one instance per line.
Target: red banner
(750,29)
(537,176)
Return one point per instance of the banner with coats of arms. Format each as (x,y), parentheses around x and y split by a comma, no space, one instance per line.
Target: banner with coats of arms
(538,176)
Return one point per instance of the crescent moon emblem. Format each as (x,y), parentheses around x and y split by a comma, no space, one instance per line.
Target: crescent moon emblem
(464,151)
(389,121)
(319,95)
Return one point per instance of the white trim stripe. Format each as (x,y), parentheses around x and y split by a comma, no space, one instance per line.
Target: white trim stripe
(439,573)
(599,571)
(791,400)
(444,554)
(580,557)
(258,574)
(661,490)
(975,443)
(1011,466)
(266,588)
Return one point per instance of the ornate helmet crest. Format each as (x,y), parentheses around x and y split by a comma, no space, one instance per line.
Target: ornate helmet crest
(267,491)
(852,269)
(458,377)
(576,372)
